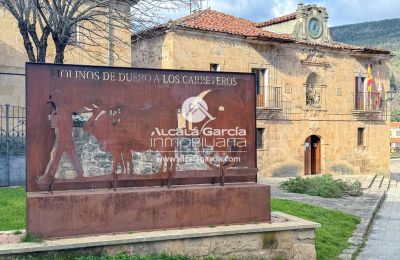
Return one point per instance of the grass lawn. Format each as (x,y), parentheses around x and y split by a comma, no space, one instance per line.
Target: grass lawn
(336,227)
(12,208)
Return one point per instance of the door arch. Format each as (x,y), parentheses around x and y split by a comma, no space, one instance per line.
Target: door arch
(312,155)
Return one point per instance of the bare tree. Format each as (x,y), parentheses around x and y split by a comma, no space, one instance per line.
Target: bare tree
(99,24)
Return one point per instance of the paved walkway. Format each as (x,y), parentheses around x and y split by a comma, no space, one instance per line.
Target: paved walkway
(384,238)
(364,206)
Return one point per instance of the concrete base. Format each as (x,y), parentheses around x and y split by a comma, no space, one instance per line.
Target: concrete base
(75,213)
(286,236)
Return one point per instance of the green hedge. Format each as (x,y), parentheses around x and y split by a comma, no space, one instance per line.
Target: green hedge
(324,186)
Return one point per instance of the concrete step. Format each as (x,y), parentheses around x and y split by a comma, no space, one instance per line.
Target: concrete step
(393,184)
(376,184)
(385,183)
(367,182)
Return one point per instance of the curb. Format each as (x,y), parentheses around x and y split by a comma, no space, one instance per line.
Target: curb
(356,251)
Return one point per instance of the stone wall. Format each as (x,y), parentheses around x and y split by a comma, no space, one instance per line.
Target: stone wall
(293,244)
(285,237)
(16,173)
(96,162)
(288,67)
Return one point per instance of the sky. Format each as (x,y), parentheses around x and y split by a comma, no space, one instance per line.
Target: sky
(340,11)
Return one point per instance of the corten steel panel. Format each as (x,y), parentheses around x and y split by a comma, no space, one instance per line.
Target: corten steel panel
(103,211)
(132,109)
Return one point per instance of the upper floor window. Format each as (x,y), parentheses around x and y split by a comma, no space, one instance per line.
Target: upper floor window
(360,136)
(260,139)
(214,67)
(260,80)
(360,94)
(74,39)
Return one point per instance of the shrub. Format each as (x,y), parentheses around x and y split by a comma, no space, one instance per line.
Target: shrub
(324,186)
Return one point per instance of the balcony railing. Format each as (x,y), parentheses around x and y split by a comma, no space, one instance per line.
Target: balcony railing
(270,97)
(369,102)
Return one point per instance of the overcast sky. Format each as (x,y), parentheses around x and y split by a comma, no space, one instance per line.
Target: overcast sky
(340,11)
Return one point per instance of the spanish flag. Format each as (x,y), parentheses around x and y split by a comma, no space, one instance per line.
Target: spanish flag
(370,79)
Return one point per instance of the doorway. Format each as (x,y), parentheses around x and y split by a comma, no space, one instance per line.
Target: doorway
(312,155)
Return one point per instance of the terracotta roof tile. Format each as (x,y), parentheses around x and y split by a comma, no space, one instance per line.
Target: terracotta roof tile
(211,20)
(281,19)
(344,46)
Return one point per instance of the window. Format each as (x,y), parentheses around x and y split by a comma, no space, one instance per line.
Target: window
(397,133)
(75,35)
(359,90)
(260,141)
(260,80)
(214,67)
(360,136)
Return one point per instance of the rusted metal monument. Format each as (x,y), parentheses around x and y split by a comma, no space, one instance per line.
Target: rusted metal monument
(103,122)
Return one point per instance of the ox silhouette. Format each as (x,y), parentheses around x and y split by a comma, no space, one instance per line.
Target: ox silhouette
(120,131)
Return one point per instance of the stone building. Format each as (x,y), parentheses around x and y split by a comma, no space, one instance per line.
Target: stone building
(311,116)
(13,55)
(395,137)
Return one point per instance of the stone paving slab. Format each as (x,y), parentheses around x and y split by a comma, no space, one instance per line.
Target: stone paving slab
(384,239)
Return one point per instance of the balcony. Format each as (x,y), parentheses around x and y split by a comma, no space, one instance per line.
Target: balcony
(369,105)
(270,104)
(269,98)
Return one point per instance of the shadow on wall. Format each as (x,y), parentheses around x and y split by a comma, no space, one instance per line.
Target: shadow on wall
(12,57)
(341,169)
(287,170)
(16,174)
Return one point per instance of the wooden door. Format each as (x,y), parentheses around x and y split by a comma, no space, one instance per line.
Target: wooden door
(307,156)
(315,155)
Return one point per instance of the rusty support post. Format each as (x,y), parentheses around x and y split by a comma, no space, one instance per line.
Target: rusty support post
(222,174)
(169,178)
(115,179)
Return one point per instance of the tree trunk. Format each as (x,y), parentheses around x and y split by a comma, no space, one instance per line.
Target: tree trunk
(42,53)
(42,50)
(27,43)
(59,58)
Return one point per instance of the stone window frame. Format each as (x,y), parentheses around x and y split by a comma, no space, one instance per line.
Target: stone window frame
(361,137)
(260,131)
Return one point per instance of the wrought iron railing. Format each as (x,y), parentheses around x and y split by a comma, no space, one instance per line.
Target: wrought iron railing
(12,145)
(269,97)
(369,102)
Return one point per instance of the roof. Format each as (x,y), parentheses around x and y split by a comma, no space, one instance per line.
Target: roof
(281,19)
(394,124)
(211,20)
(214,21)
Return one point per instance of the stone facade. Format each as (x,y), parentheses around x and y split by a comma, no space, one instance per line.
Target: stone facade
(332,117)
